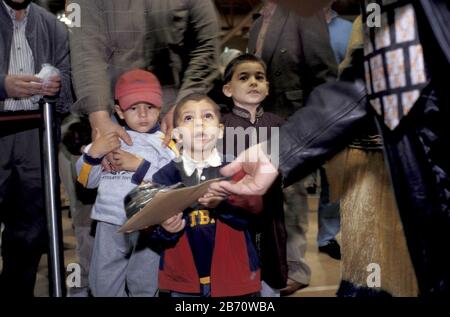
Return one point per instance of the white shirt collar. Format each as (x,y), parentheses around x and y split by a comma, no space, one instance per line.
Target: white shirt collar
(190,165)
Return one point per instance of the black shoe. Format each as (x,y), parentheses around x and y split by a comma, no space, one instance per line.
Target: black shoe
(332,248)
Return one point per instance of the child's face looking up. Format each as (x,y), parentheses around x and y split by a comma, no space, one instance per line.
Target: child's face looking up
(198,127)
(140,117)
(248,85)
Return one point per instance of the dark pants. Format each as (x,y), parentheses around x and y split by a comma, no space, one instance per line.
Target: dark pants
(24,238)
(419,159)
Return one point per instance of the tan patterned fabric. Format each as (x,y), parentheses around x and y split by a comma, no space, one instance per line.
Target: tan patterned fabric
(371,228)
(394,64)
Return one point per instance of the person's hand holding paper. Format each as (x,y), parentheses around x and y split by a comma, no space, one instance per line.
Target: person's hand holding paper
(174,224)
(150,204)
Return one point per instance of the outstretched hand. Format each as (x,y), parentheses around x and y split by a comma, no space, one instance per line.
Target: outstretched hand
(259,174)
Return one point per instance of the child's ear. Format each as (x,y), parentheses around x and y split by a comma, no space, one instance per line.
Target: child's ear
(227,90)
(268,87)
(119,112)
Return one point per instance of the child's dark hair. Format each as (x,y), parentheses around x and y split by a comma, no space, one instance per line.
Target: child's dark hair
(193,97)
(244,58)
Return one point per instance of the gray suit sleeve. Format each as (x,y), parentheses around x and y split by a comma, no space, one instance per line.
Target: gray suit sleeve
(202,68)
(88,45)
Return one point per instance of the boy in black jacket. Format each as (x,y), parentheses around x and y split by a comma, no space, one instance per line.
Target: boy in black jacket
(246,83)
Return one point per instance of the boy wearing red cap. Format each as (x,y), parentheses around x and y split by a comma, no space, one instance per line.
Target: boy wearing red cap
(117,267)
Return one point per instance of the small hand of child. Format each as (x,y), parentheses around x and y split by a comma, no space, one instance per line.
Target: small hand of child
(211,200)
(126,161)
(174,224)
(103,144)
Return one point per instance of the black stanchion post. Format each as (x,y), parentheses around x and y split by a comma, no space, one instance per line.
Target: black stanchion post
(56,255)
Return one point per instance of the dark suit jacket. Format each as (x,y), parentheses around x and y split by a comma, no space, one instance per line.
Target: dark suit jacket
(48,40)
(299,57)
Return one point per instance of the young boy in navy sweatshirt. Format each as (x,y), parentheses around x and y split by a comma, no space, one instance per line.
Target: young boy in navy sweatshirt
(207,250)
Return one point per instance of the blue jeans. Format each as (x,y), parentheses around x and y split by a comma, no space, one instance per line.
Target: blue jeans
(329,214)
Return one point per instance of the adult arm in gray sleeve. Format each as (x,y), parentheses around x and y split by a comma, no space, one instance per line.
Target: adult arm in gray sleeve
(89,54)
(202,68)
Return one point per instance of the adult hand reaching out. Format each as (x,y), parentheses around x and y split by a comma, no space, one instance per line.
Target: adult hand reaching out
(104,144)
(259,174)
(101,121)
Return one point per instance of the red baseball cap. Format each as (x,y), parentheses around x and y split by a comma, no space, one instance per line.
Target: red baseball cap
(136,86)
